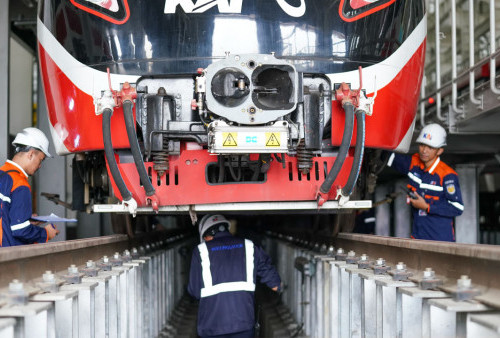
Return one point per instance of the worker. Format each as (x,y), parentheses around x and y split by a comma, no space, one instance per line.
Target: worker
(31,148)
(223,274)
(434,191)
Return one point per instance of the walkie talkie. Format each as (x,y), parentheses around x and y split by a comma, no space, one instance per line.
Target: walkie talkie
(410,193)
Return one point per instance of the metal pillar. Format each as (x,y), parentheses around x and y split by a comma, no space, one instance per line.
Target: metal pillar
(4,80)
(51,177)
(467,225)
(382,212)
(402,213)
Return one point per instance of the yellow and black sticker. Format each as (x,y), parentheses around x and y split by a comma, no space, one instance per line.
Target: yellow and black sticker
(230,139)
(272,139)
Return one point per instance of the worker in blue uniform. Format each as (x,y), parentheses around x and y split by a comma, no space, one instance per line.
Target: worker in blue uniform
(224,271)
(434,191)
(15,192)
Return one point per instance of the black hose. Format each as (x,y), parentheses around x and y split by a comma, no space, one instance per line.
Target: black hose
(344,148)
(134,146)
(221,168)
(358,154)
(110,155)
(235,177)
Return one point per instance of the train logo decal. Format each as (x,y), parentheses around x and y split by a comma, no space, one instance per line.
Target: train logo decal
(114,11)
(227,6)
(353,10)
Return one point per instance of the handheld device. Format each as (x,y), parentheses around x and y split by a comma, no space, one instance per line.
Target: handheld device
(410,193)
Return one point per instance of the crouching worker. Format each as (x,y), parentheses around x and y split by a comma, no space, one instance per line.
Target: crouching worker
(224,271)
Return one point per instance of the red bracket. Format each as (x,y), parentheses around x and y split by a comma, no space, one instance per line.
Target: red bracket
(346,94)
(154,201)
(126,93)
(321,198)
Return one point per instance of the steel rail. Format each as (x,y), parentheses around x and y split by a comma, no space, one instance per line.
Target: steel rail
(451,260)
(31,261)
(50,293)
(374,286)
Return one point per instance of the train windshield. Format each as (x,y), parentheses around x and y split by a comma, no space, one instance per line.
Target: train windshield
(179,36)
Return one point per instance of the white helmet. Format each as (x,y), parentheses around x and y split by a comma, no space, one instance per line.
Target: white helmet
(432,135)
(33,137)
(209,221)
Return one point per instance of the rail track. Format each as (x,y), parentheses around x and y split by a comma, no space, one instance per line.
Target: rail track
(354,286)
(109,286)
(372,286)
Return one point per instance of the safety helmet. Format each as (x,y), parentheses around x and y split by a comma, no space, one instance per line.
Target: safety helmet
(432,135)
(33,137)
(217,222)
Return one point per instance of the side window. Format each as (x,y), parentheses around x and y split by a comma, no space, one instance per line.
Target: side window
(115,11)
(352,10)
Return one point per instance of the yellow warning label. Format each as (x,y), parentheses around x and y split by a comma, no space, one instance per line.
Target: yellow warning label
(272,139)
(229,139)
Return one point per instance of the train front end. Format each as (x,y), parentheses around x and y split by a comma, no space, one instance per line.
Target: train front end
(229,105)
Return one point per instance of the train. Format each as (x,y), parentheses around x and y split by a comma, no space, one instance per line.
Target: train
(215,104)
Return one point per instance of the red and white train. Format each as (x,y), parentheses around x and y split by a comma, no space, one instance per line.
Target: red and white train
(220,104)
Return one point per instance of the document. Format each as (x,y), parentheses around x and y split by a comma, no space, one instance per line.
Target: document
(53,218)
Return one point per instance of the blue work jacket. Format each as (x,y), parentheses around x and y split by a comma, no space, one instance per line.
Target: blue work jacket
(15,208)
(225,283)
(439,186)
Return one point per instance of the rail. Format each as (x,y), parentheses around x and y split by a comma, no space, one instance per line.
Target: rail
(373,286)
(93,287)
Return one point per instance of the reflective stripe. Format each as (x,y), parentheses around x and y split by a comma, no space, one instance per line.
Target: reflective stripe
(431,187)
(227,287)
(20,226)
(424,185)
(434,165)
(457,205)
(414,178)
(205,265)
(209,289)
(249,261)
(4,198)
(391,159)
(369,219)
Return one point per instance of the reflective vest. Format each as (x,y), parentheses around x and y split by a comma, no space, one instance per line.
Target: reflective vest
(210,289)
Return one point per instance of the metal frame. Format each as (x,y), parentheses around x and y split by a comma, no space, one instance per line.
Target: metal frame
(247,206)
(4,79)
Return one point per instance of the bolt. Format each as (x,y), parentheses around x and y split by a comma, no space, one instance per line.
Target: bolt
(48,276)
(105,259)
(401,266)
(464,282)
(380,262)
(363,257)
(429,273)
(72,269)
(340,251)
(351,254)
(16,286)
(331,249)
(116,255)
